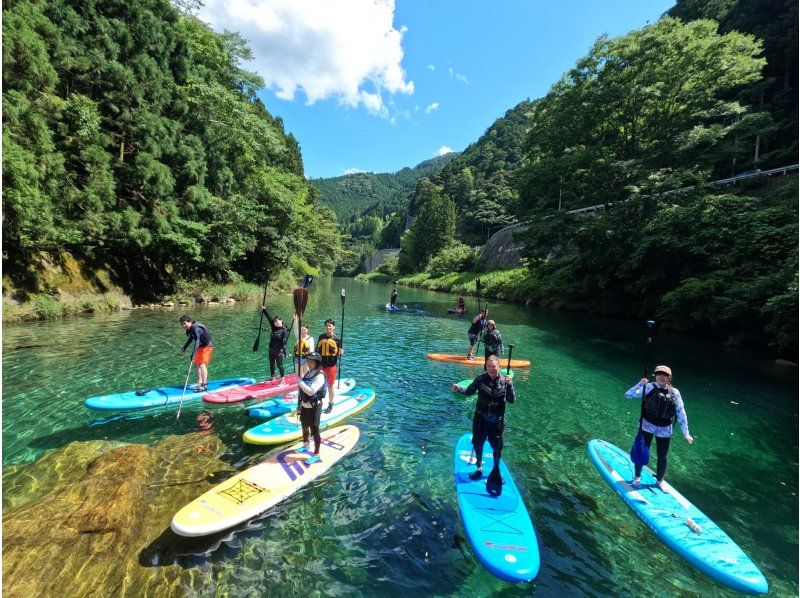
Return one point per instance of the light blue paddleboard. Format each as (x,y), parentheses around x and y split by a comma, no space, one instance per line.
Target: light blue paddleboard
(277,406)
(498,528)
(672,517)
(159,397)
(287,427)
(390,307)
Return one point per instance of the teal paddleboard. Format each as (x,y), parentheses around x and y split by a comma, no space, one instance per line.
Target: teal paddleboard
(677,522)
(468,381)
(159,397)
(277,406)
(287,427)
(498,528)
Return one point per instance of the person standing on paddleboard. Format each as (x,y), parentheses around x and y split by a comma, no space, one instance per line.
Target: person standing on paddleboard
(311,393)
(203,348)
(304,346)
(492,341)
(475,330)
(277,343)
(393,298)
(661,406)
(329,346)
(494,391)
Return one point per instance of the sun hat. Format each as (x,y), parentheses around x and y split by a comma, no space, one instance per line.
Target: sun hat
(663,370)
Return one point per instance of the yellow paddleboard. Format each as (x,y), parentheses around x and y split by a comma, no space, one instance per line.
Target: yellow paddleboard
(262,486)
(462,360)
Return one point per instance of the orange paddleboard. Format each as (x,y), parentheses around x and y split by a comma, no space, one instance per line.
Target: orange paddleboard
(462,360)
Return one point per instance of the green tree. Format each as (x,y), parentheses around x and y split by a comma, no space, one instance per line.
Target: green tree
(432,229)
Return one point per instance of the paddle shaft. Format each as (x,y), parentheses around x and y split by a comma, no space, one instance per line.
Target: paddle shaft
(650,324)
(261,320)
(508,365)
(185,384)
(341,342)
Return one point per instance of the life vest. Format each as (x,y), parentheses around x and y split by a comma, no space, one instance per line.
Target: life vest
(491,396)
(658,407)
(328,348)
(303,347)
(478,326)
(493,341)
(317,397)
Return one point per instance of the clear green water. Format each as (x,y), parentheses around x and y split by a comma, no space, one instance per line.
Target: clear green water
(385,521)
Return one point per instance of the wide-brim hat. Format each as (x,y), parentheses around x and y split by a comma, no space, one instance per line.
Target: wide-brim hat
(663,370)
(315,356)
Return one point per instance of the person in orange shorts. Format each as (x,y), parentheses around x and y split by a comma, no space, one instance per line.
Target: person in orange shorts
(329,346)
(203,349)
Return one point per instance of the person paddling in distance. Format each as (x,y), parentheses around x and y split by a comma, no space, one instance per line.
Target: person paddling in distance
(393,298)
(661,405)
(311,392)
(302,348)
(277,343)
(461,306)
(494,391)
(475,330)
(202,351)
(492,341)
(329,346)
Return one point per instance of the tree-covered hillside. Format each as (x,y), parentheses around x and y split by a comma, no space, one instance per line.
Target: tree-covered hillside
(134,141)
(375,194)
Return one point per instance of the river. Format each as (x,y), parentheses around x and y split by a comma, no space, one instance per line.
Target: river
(385,521)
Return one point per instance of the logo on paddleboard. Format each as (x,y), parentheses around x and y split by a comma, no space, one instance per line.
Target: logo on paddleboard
(494,546)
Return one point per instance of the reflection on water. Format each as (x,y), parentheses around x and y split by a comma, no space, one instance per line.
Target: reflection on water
(384,521)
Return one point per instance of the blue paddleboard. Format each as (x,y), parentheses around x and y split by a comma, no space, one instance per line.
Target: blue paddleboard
(498,528)
(159,397)
(277,406)
(677,522)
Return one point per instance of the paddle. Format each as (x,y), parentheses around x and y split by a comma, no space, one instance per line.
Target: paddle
(341,340)
(261,321)
(640,453)
(494,481)
(183,394)
(510,351)
(478,291)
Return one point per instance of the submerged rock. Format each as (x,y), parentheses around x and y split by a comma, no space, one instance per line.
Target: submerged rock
(77,522)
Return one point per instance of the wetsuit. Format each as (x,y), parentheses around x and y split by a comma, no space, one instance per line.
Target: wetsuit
(328,348)
(277,344)
(490,409)
(492,344)
(393,298)
(203,345)
(312,391)
(660,407)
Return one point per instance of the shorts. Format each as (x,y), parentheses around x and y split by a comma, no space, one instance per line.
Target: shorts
(473,338)
(330,374)
(202,355)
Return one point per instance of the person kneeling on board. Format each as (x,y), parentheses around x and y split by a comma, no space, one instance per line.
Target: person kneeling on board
(312,391)
(661,406)
(494,391)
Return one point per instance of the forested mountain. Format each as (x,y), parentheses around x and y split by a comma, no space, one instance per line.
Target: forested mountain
(134,141)
(375,194)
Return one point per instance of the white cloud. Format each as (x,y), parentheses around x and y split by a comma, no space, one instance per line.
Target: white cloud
(343,49)
(432,107)
(443,150)
(431,67)
(459,76)
(353,170)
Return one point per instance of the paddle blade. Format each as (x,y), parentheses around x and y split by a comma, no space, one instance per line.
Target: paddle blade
(257,342)
(510,351)
(494,483)
(306,282)
(478,288)
(300,297)
(342,296)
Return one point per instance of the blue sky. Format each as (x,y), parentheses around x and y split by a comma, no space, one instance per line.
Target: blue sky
(376,85)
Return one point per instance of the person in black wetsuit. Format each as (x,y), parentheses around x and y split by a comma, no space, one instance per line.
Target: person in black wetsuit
(492,341)
(475,330)
(494,391)
(312,389)
(393,298)
(277,343)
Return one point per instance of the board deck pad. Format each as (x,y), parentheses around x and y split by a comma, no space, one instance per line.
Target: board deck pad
(477,361)
(286,428)
(677,522)
(258,488)
(160,397)
(498,528)
(249,392)
(284,404)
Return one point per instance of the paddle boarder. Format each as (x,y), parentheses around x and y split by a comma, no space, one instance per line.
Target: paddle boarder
(494,391)
(302,348)
(311,393)
(203,348)
(461,306)
(492,341)
(329,346)
(277,343)
(475,330)
(661,406)
(393,298)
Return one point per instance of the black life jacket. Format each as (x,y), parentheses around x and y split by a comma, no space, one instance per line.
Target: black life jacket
(493,341)
(205,335)
(318,396)
(478,326)
(491,396)
(658,407)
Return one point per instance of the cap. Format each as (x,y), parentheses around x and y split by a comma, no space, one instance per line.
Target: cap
(663,370)
(315,356)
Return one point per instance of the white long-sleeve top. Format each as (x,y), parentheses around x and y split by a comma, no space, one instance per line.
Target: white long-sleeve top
(310,387)
(635,392)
